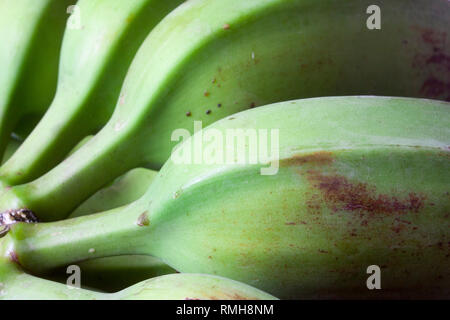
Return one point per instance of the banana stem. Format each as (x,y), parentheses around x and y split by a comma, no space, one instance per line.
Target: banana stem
(16,284)
(44,246)
(32,160)
(53,196)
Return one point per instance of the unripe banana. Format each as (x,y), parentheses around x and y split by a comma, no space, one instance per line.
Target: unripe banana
(17,285)
(113,273)
(124,190)
(209,59)
(11,147)
(95,56)
(359,181)
(31,33)
(116,273)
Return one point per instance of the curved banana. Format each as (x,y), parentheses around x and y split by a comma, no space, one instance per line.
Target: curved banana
(359,181)
(124,190)
(17,285)
(209,59)
(113,273)
(95,56)
(31,33)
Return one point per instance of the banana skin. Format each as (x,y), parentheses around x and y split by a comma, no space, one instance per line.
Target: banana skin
(11,147)
(361,181)
(124,190)
(31,33)
(15,284)
(209,59)
(114,273)
(95,57)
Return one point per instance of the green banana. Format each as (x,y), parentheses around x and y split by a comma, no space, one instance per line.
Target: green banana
(16,284)
(113,273)
(208,59)
(360,181)
(124,190)
(31,33)
(116,273)
(11,147)
(94,59)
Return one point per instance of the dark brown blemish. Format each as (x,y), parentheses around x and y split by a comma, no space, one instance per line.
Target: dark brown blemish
(17,215)
(206,94)
(208,111)
(13,257)
(432,37)
(441,59)
(188,114)
(436,84)
(294,223)
(236,296)
(341,194)
(316,158)
(433,87)
(143,220)
(219,105)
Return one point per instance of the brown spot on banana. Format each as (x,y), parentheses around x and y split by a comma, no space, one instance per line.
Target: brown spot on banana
(143,220)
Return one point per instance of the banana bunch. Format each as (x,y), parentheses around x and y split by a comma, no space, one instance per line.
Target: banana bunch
(335,171)
(15,284)
(31,33)
(95,56)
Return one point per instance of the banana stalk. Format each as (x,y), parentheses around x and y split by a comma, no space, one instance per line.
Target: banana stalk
(360,181)
(31,33)
(95,57)
(116,273)
(113,273)
(209,59)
